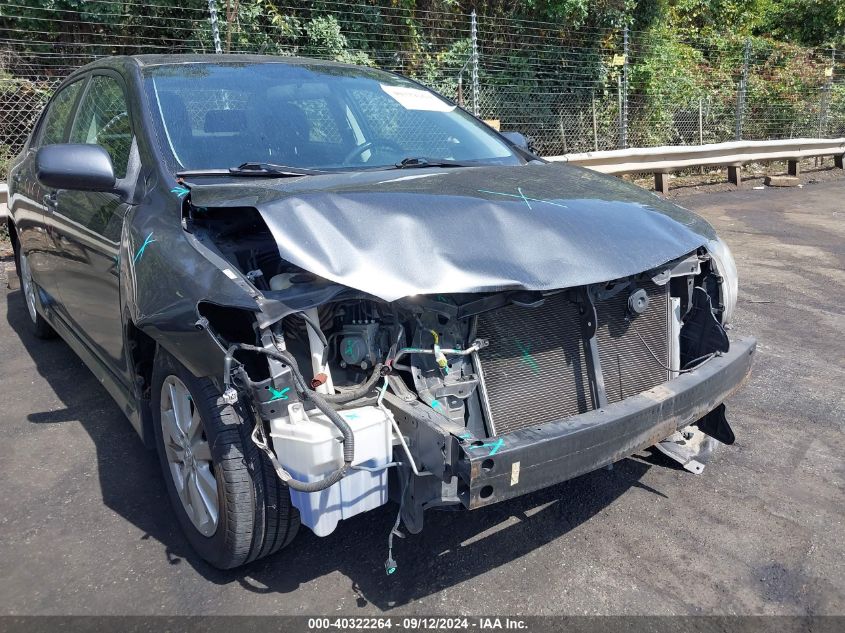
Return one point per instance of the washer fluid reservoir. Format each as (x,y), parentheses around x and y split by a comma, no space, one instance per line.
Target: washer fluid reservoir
(310,448)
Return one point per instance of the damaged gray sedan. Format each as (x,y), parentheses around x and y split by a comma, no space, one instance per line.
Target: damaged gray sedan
(314,288)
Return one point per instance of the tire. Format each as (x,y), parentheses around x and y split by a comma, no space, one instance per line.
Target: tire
(38,325)
(255,516)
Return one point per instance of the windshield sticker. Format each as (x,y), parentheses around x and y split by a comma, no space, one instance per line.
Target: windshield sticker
(417,99)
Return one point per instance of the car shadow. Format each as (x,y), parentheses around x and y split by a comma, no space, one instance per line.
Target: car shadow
(453,547)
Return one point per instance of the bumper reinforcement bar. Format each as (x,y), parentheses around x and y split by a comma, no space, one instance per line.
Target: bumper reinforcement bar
(507,466)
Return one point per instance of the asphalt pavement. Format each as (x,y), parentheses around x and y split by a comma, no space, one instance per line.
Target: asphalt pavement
(86,527)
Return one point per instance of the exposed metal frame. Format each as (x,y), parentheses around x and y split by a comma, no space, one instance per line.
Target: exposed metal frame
(486,409)
(538,457)
(589,328)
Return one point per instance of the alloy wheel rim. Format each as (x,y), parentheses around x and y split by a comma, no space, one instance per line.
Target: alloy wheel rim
(189,456)
(28,288)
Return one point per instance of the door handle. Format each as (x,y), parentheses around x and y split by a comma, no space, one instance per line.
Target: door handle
(50,201)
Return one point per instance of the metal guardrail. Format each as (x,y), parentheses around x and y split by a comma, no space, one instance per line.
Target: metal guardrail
(4,200)
(664,160)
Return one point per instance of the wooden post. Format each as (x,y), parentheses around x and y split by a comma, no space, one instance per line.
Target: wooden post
(735,175)
(661,182)
(793,168)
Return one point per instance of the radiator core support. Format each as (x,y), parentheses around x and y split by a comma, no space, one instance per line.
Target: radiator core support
(574,353)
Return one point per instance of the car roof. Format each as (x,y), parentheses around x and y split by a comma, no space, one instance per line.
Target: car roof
(207,58)
(147,61)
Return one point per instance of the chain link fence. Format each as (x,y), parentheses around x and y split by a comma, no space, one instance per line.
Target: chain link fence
(570,90)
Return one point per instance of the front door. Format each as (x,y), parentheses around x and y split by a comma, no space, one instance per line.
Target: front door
(88,225)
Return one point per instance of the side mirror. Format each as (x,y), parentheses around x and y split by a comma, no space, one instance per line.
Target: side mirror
(519,140)
(73,166)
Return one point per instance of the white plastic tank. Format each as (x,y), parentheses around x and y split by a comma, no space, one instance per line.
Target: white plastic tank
(310,448)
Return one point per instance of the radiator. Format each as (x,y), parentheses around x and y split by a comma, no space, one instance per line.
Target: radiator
(627,366)
(535,367)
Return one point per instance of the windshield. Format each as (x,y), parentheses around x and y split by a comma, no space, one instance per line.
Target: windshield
(309,115)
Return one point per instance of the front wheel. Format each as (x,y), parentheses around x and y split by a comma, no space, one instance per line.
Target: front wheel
(38,324)
(229,502)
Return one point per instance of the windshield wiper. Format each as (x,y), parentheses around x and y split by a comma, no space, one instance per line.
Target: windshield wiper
(253,169)
(422,161)
(271,169)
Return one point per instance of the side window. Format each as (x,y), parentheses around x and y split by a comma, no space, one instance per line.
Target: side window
(103,119)
(57,116)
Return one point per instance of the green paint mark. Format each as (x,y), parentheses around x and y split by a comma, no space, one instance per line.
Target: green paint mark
(149,240)
(435,404)
(278,395)
(523,197)
(493,446)
(527,358)
(180,190)
(350,348)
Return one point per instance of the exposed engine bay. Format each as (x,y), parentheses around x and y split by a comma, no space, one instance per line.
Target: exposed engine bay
(346,369)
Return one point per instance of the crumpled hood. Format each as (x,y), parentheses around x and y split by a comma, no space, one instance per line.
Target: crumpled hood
(428,231)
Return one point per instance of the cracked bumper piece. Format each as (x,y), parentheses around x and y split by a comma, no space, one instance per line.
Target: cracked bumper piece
(537,457)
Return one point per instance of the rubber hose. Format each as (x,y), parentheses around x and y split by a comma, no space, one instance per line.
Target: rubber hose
(339,422)
(348,451)
(319,332)
(317,486)
(314,326)
(358,392)
(338,398)
(320,402)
